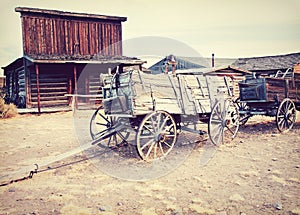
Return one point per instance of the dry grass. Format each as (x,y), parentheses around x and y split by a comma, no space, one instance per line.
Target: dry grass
(7,110)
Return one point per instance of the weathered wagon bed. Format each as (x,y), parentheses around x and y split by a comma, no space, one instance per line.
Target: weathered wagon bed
(183,94)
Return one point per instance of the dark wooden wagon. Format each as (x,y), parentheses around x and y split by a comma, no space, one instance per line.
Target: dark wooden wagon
(156,107)
(277,96)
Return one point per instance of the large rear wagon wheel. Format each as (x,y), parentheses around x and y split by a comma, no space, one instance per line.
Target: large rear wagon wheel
(286,115)
(102,127)
(224,122)
(156,135)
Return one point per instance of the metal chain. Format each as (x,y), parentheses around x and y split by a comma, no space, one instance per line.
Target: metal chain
(31,173)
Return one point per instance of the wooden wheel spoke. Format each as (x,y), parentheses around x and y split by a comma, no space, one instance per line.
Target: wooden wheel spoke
(280,116)
(169,135)
(109,140)
(221,134)
(146,136)
(219,129)
(287,106)
(150,149)
(291,120)
(163,124)
(103,117)
(120,135)
(103,124)
(146,144)
(216,120)
(161,149)
(229,129)
(166,144)
(215,127)
(219,114)
(281,120)
(153,124)
(155,151)
(149,129)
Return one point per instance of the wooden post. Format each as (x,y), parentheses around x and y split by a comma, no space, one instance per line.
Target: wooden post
(38,87)
(70,87)
(87,87)
(75,85)
(27,86)
(286,86)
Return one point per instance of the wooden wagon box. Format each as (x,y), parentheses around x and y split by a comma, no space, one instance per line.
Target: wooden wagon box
(270,89)
(137,93)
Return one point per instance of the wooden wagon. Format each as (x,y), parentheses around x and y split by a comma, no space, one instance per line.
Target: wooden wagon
(157,107)
(277,96)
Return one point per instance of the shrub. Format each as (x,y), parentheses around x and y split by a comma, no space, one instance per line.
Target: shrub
(7,110)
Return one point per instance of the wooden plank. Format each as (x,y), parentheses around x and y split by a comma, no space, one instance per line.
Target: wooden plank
(66,36)
(47,94)
(51,98)
(38,89)
(55,43)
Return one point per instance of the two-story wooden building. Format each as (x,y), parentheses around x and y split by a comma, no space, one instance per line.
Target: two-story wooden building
(59,47)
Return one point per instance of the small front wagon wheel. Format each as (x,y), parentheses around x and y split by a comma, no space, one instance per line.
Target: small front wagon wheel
(286,115)
(223,122)
(102,128)
(156,135)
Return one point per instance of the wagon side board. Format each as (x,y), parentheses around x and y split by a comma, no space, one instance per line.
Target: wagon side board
(183,94)
(283,88)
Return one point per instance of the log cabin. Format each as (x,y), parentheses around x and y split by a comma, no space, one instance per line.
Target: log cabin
(58,48)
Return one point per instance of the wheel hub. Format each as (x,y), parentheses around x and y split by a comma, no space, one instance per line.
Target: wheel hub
(160,137)
(226,122)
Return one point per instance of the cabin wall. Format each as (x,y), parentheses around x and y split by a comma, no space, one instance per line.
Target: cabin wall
(69,36)
(16,86)
(53,83)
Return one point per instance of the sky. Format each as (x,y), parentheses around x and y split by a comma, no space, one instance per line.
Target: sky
(227,28)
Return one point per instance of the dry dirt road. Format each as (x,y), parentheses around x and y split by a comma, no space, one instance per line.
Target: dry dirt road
(258,173)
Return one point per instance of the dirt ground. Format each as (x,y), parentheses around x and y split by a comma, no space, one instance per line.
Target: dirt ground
(258,173)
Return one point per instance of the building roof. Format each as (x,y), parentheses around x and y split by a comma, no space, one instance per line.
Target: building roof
(219,62)
(212,70)
(37,11)
(195,60)
(268,62)
(150,60)
(81,59)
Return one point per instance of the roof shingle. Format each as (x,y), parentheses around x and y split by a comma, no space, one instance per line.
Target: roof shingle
(268,62)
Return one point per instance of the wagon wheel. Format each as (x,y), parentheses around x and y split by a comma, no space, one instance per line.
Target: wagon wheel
(286,115)
(223,122)
(156,135)
(102,127)
(242,106)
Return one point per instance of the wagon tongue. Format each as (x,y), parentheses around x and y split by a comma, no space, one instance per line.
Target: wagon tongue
(42,166)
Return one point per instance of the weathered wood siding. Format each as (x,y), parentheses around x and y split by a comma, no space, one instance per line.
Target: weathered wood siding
(16,84)
(57,36)
(53,84)
(283,88)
